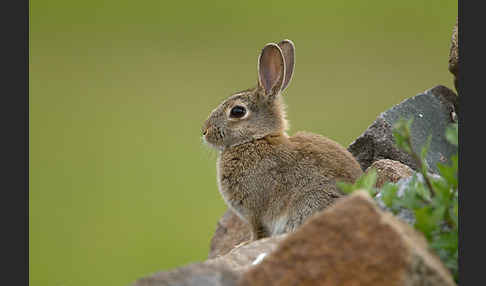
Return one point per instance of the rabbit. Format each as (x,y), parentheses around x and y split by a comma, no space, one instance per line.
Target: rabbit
(271,180)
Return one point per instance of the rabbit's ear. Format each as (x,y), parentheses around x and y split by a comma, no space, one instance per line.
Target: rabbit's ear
(288,51)
(271,69)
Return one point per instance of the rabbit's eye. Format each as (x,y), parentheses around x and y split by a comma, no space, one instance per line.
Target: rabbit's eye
(237,111)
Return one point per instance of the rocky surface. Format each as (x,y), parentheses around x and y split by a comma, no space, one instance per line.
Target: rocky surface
(230,231)
(454,54)
(432,111)
(389,171)
(351,243)
(222,270)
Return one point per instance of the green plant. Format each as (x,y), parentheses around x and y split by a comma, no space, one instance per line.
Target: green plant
(432,199)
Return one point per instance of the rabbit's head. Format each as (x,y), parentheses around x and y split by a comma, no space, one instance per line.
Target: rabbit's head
(256,112)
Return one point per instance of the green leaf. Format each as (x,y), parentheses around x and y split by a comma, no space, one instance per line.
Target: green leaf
(452,134)
(439,183)
(401,134)
(449,172)
(389,193)
(426,221)
(455,161)
(423,155)
(367,181)
(345,187)
(401,142)
(409,201)
(445,245)
(415,193)
(447,241)
(454,214)
(422,191)
(372,192)
(425,148)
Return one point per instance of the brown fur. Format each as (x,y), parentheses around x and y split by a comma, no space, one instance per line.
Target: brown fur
(273,181)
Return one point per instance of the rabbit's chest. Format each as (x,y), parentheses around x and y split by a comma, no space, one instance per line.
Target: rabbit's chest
(244,173)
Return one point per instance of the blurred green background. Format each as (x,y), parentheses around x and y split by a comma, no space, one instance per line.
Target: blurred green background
(120,184)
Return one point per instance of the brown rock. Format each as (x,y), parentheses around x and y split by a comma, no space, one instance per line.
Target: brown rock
(230,231)
(389,171)
(221,271)
(454,54)
(351,243)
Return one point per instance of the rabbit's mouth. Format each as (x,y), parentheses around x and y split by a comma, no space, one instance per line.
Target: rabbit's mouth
(217,138)
(210,144)
(213,137)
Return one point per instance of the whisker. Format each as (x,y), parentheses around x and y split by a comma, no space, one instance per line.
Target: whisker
(210,152)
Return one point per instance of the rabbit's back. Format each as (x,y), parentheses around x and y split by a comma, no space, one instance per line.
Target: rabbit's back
(334,161)
(284,163)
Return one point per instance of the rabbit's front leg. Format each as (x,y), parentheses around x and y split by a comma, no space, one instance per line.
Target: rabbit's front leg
(258,231)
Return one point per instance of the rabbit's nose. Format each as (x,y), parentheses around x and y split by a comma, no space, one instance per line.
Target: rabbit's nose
(205,131)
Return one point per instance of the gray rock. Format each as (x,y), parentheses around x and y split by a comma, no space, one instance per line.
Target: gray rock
(197,274)
(230,231)
(223,270)
(241,258)
(432,111)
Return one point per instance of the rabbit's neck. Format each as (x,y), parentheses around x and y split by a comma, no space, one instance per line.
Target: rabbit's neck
(255,148)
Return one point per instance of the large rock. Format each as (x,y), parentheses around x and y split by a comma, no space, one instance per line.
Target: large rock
(389,171)
(230,231)
(351,243)
(221,271)
(432,111)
